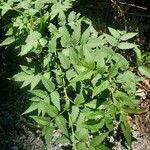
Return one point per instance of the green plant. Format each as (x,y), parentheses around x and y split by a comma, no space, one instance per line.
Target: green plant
(141,60)
(78,80)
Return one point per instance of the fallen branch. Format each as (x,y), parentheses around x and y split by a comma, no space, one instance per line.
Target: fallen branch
(133,5)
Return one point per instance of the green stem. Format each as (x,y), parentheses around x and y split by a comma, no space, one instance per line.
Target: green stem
(70,120)
(113,98)
(73,134)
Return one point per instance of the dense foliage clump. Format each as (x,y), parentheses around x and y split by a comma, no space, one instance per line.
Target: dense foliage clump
(79,81)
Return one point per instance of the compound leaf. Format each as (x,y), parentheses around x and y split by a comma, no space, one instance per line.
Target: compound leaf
(35,81)
(64,60)
(81,145)
(98,89)
(98,139)
(32,107)
(79,99)
(128,36)
(145,71)
(114,33)
(8,41)
(74,113)
(61,123)
(39,93)
(41,120)
(126,45)
(48,84)
(55,98)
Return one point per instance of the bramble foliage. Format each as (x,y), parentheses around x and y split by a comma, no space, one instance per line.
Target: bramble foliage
(78,80)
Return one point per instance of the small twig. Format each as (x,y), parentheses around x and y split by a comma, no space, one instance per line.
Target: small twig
(133,5)
(139,15)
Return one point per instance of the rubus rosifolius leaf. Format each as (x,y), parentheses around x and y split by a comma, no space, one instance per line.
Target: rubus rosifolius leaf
(126,129)
(7,41)
(128,36)
(114,33)
(79,80)
(144,71)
